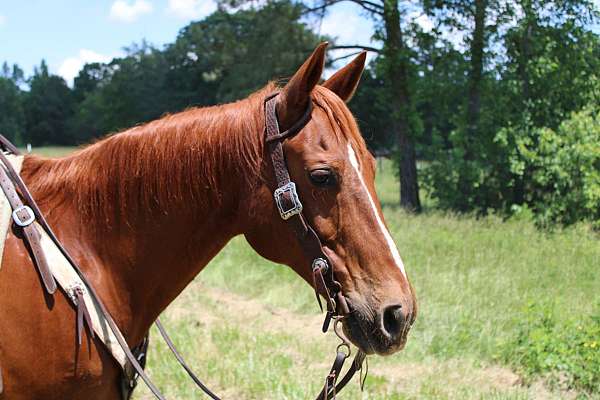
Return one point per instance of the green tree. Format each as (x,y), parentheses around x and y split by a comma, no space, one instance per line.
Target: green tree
(48,106)
(12,118)
(539,71)
(120,94)
(219,59)
(231,54)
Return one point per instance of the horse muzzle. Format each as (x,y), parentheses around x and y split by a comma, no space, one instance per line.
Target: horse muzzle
(382,332)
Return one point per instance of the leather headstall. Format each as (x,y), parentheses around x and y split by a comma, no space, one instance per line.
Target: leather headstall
(290,208)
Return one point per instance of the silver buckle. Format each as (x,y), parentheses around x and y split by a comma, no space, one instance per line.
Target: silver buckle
(18,220)
(297,205)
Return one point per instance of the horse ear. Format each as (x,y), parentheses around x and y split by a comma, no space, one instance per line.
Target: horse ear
(344,82)
(293,98)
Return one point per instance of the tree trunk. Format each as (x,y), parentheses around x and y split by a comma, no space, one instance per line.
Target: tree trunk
(523,71)
(396,63)
(477,45)
(473,106)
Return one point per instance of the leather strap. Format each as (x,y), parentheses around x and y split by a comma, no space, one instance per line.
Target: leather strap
(307,238)
(182,362)
(129,378)
(23,216)
(8,146)
(82,313)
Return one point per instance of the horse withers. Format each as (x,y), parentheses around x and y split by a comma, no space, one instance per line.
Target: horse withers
(143,212)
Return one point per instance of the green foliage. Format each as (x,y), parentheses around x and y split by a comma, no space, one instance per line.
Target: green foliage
(222,58)
(123,93)
(12,118)
(229,55)
(372,112)
(561,167)
(548,71)
(48,106)
(566,352)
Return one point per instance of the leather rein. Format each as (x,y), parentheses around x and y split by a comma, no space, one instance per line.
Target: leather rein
(290,209)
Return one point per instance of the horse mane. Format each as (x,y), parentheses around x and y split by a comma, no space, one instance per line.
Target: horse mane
(179,157)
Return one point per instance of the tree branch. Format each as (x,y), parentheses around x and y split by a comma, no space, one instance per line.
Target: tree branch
(367,5)
(354,47)
(323,6)
(346,56)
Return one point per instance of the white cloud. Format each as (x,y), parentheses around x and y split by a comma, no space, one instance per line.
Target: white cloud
(71,66)
(191,9)
(125,11)
(2,19)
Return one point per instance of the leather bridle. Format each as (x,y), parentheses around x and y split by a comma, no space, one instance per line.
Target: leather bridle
(290,209)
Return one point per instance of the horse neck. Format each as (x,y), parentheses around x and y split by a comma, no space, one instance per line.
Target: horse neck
(153,205)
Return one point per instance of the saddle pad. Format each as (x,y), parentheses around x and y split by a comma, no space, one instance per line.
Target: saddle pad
(64,273)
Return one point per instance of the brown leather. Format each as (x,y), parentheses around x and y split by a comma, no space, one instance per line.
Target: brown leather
(30,232)
(182,361)
(129,378)
(82,313)
(322,268)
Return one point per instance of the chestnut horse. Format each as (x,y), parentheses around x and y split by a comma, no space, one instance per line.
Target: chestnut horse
(143,212)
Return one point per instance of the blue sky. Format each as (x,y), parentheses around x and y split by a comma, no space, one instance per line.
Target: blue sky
(68,33)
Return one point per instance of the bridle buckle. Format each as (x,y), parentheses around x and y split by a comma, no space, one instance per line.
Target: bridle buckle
(23,222)
(287,210)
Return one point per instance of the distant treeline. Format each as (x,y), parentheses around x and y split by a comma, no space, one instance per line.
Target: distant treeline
(500,97)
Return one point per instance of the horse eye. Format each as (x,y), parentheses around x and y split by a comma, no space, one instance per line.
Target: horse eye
(322,177)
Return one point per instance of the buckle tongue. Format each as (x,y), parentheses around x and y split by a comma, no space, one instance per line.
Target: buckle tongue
(285,195)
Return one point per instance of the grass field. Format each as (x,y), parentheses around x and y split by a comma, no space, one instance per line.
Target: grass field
(251,328)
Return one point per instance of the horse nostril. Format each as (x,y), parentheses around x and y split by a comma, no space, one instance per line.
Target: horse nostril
(393,320)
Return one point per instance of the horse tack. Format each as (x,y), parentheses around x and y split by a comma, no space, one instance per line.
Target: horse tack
(290,208)
(134,362)
(23,217)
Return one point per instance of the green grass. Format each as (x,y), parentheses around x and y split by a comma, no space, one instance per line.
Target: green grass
(252,328)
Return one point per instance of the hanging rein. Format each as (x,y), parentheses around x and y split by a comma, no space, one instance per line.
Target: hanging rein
(290,209)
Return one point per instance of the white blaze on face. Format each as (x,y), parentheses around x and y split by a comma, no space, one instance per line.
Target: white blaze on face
(382,227)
